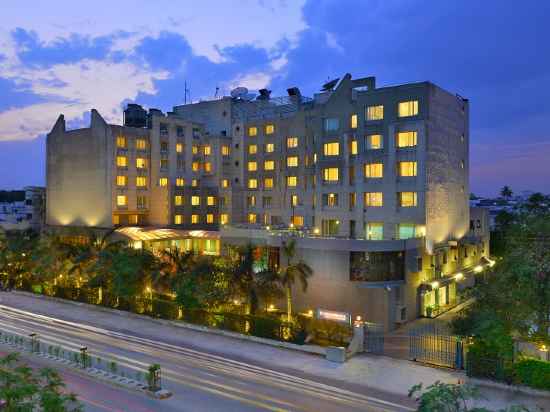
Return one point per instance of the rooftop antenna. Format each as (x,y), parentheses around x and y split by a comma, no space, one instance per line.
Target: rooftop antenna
(185,91)
(217,90)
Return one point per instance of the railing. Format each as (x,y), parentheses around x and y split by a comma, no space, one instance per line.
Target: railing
(81,358)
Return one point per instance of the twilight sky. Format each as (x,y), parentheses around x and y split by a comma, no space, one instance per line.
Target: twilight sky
(61,57)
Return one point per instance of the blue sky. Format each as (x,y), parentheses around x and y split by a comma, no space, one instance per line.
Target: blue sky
(58,57)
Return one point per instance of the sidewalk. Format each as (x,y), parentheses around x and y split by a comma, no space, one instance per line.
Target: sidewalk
(375,372)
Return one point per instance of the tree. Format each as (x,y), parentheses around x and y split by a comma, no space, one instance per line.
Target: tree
(446,397)
(506,192)
(16,249)
(293,272)
(537,203)
(24,389)
(249,278)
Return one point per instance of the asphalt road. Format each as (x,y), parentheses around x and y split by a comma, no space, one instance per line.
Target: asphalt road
(200,381)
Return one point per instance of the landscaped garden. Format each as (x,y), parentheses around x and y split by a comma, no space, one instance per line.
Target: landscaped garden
(236,291)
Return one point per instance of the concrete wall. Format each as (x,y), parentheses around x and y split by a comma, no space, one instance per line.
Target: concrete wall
(79,172)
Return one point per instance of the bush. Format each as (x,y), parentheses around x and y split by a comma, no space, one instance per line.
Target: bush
(533,373)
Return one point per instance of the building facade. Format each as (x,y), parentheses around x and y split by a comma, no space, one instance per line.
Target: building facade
(371,182)
(22,209)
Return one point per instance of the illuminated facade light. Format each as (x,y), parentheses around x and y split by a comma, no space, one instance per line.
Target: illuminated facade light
(434,285)
(478,269)
(459,276)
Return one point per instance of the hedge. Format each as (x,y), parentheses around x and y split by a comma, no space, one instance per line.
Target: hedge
(532,372)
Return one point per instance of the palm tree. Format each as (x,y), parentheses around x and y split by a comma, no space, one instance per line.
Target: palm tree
(506,192)
(293,272)
(246,279)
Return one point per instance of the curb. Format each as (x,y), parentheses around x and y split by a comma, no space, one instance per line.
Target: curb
(311,349)
(103,376)
(515,389)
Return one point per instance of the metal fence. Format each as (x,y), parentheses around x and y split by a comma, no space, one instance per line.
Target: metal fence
(434,344)
(77,358)
(374,338)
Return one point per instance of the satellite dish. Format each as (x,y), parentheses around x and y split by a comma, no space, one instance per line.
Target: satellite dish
(249,96)
(239,92)
(328,86)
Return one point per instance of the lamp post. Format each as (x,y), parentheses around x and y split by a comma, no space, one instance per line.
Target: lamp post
(35,344)
(84,356)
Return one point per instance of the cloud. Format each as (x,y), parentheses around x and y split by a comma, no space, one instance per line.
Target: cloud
(73,89)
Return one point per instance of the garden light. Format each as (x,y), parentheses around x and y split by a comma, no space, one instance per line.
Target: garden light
(478,269)
(434,285)
(459,276)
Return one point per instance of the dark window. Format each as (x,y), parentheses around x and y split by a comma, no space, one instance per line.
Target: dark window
(377,266)
(180,131)
(163,128)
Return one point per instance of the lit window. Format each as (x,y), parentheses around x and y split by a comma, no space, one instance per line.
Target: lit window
(409,108)
(353,121)
(252,166)
(270,147)
(292,161)
(141,181)
(269,165)
(141,202)
(268,183)
(179,147)
(210,200)
(330,174)
(407,168)
(252,149)
(332,124)
(180,181)
(353,147)
(195,200)
(194,219)
(225,183)
(121,180)
(208,167)
(407,199)
(291,181)
(252,183)
(224,218)
(269,129)
(406,230)
(331,149)
(252,218)
(195,166)
(252,131)
(226,150)
(209,218)
(330,199)
(116,220)
(195,149)
(406,139)
(330,227)
(141,163)
(178,219)
(207,150)
(141,144)
(163,182)
(374,141)
(374,231)
(121,142)
(374,170)
(294,200)
(121,200)
(374,199)
(297,221)
(375,112)
(178,200)
(251,201)
(121,161)
(291,142)
(194,182)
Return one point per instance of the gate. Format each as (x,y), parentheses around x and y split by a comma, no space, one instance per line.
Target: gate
(374,338)
(434,344)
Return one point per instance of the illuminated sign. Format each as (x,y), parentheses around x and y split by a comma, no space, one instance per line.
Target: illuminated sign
(342,317)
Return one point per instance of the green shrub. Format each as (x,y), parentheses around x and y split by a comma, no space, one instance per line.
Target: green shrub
(533,373)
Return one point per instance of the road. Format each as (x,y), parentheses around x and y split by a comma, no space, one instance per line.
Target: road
(199,380)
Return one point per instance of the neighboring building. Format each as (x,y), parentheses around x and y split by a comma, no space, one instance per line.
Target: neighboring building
(22,209)
(371,182)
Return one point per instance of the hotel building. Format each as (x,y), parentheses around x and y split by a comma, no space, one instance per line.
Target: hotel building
(371,182)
